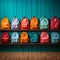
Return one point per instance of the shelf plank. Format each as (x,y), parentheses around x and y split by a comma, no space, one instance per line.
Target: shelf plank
(29,44)
(27,30)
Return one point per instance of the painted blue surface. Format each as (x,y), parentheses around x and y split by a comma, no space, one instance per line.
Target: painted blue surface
(29,48)
(29,8)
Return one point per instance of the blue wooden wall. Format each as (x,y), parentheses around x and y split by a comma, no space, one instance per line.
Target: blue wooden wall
(29,8)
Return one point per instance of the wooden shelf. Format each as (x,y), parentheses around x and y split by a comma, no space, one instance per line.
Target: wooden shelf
(27,30)
(29,44)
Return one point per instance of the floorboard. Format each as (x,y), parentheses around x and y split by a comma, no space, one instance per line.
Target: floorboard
(30,55)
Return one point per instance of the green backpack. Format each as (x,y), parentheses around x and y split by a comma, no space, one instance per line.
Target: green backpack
(44,23)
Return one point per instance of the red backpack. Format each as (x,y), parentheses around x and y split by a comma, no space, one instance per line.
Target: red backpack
(54,23)
(44,38)
(5,37)
(24,24)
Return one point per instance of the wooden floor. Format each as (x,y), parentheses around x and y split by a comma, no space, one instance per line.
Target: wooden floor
(29,55)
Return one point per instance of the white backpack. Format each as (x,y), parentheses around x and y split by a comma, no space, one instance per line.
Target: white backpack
(15,23)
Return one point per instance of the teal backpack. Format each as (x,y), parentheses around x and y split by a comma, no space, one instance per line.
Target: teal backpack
(54,37)
(34,38)
(44,23)
(15,37)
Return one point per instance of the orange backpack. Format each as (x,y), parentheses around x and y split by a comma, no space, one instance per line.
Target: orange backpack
(34,23)
(5,24)
(24,37)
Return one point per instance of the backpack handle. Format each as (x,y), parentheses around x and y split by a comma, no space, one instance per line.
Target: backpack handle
(24,16)
(15,16)
(33,16)
(5,17)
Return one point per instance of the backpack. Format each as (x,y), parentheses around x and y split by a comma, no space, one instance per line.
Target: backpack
(5,24)
(5,37)
(44,23)
(15,23)
(15,37)
(54,24)
(34,37)
(24,38)
(54,37)
(44,38)
(34,23)
(24,24)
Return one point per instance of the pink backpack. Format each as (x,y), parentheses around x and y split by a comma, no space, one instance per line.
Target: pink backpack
(24,24)
(44,38)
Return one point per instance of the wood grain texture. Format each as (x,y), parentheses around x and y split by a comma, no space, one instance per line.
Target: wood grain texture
(30,55)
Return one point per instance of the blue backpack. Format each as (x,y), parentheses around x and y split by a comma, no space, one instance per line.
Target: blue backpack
(14,37)
(15,23)
(44,23)
(54,37)
(34,38)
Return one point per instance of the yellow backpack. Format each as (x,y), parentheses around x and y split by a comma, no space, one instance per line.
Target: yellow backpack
(5,24)
(24,38)
(34,23)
